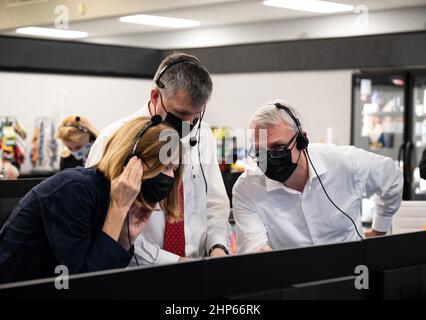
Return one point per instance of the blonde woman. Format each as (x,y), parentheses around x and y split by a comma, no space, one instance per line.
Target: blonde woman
(79,217)
(78,135)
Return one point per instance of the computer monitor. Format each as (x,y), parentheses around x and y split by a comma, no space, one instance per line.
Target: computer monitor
(11,191)
(411,217)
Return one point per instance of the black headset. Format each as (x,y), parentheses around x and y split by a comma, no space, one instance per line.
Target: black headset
(302,141)
(193,141)
(80,128)
(155,120)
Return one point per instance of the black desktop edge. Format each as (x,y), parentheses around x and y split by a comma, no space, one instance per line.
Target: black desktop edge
(319,272)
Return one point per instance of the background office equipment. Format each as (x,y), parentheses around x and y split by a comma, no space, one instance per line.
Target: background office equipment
(11,191)
(411,217)
(389,118)
(12,141)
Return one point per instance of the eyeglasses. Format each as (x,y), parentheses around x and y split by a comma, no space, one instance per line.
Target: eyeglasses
(275,151)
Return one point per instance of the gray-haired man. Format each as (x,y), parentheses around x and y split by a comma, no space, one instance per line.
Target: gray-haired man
(181,89)
(285,205)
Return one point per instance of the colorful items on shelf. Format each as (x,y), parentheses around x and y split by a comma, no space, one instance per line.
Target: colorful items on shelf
(12,141)
(227,152)
(44,146)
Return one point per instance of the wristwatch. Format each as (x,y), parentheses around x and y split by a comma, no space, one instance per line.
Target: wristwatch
(218,246)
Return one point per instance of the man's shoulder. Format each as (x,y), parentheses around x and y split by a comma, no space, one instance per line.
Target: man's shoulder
(114,126)
(251,177)
(330,148)
(330,151)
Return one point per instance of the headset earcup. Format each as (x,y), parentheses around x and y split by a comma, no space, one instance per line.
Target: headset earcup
(302,141)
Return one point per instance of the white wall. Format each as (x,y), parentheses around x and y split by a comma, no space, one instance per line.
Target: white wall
(322,97)
(102,100)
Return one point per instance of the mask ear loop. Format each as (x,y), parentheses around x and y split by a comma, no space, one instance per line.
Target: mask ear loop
(162,104)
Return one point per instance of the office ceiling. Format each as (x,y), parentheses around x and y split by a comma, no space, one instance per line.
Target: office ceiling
(100,18)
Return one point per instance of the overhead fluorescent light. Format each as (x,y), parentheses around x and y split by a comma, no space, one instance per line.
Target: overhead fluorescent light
(52,33)
(160,21)
(316,6)
(16,3)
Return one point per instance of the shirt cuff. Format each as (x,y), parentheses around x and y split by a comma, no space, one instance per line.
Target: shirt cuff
(382,223)
(107,254)
(150,254)
(218,237)
(167,257)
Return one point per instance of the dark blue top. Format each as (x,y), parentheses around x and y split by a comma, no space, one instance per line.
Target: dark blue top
(59,222)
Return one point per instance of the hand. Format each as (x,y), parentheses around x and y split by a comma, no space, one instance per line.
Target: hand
(10,171)
(218,252)
(124,190)
(371,233)
(138,219)
(126,187)
(184,259)
(264,249)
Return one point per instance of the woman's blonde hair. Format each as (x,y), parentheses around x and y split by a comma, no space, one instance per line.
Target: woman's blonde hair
(73,128)
(148,149)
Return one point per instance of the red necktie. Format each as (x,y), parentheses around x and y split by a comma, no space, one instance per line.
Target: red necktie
(174,233)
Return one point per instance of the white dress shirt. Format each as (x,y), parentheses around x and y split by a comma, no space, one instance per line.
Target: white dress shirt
(206,216)
(268,213)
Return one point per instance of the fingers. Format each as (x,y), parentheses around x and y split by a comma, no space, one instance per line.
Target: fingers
(139,173)
(135,173)
(128,168)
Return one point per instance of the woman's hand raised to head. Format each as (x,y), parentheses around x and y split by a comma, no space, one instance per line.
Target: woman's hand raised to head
(124,190)
(126,187)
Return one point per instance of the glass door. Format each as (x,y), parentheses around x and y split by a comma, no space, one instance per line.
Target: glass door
(418,119)
(378,119)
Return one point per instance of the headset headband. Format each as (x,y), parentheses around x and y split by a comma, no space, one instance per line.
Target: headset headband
(155,120)
(168,66)
(79,127)
(292,116)
(301,140)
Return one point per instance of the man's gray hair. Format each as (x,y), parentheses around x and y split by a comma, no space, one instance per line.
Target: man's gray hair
(269,114)
(190,76)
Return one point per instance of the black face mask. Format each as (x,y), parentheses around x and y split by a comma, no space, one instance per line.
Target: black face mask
(177,124)
(279,165)
(157,188)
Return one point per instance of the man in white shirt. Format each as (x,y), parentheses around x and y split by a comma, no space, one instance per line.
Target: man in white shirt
(281,204)
(181,89)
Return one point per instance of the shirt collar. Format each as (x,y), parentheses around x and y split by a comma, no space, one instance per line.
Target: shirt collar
(316,160)
(318,164)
